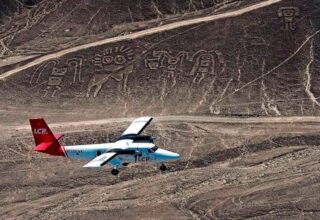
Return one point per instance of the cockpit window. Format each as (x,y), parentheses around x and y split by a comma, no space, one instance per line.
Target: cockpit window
(153,149)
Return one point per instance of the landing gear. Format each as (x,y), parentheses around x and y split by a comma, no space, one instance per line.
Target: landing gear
(114,172)
(163,167)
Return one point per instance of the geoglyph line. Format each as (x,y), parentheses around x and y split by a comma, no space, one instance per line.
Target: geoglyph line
(308,75)
(274,68)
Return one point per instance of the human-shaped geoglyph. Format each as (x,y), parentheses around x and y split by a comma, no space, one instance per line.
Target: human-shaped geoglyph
(170,63)
(55,81)
(204,63)
(288,14)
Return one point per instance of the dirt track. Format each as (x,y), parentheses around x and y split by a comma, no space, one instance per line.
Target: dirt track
(186,118)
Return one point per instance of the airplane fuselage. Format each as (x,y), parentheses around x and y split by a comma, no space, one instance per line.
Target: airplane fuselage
(133,153)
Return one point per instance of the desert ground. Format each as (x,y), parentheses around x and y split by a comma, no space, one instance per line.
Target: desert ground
(229,169)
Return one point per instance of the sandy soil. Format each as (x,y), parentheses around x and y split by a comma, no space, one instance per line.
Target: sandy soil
(228,170)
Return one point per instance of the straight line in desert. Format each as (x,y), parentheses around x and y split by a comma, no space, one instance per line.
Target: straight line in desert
(185,118)
(140,34)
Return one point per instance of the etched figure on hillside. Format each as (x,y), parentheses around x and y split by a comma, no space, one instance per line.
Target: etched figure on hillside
(164,60)
(254,48)
(288,14)
(54,75)
(112,59)
(170,65)
(45,67)
(204,63)
(112,63)
(75,64)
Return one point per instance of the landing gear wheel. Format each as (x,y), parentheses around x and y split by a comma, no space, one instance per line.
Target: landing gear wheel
(163,167)
(114,172)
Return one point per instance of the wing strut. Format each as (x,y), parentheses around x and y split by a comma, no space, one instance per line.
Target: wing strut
(101,160)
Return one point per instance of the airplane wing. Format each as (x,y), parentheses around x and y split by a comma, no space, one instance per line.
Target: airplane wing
(137,126)
(101,160)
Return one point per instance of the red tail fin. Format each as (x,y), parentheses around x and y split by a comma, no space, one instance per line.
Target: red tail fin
(46,142)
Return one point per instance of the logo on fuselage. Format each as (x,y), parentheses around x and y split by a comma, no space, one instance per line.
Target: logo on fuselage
(143,159)
(40,131)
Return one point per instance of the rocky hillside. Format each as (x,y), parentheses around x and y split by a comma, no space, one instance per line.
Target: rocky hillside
(36,27)
(264,62)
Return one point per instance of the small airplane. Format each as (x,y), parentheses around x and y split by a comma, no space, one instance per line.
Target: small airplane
(131,147)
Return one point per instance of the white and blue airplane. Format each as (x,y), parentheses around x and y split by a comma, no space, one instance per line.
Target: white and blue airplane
(131,147)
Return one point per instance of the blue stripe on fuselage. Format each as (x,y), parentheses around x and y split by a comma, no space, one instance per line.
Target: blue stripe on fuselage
(89,152)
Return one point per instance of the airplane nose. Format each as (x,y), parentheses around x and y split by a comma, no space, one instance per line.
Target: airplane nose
(164,155)
(175,156)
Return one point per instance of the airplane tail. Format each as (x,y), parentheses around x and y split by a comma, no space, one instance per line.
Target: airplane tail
(46,141)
